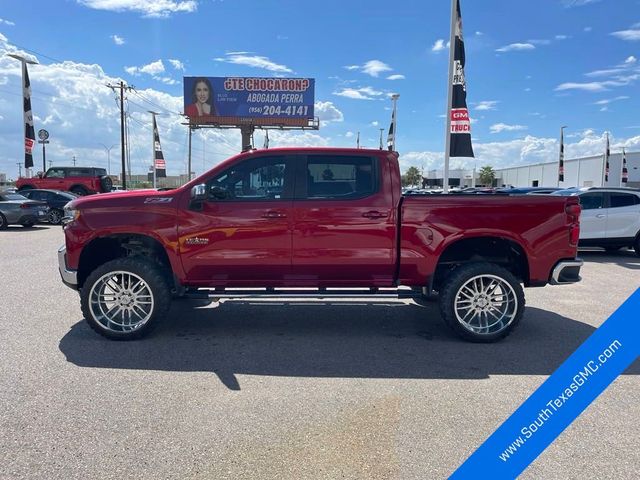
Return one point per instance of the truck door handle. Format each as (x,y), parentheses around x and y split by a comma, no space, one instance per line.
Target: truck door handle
(373,214)
(273,214)
(600,215)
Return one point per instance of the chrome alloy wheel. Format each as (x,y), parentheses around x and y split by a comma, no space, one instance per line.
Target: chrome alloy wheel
(121,301)
(485,304)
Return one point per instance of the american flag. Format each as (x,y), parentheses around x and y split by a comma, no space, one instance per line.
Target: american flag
(160,165)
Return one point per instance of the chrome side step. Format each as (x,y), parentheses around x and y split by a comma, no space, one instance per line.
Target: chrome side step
(320,293)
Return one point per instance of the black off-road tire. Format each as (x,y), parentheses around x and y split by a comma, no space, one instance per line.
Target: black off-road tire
(454,283)
(106,183)
(151,273)
(28,224)
(3,222)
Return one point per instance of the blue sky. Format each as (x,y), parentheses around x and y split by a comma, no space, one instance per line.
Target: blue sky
(531,68)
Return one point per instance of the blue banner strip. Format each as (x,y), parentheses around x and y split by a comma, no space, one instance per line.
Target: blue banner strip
(560,399)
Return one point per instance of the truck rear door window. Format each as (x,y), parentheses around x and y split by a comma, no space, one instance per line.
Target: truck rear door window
(340,176)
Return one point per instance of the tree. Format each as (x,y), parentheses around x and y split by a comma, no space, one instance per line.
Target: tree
(487,175)
(412,177)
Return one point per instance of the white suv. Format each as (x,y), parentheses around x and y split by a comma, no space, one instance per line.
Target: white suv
(610,217)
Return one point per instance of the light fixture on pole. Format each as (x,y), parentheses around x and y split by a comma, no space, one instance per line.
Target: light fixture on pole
(108,149)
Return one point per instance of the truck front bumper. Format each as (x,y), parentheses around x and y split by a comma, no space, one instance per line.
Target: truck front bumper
(566,271)
(69,277)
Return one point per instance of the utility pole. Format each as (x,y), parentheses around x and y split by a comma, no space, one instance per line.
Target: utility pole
(74,160)
(19,164)
(122,88)
(189,159)
(358,140)
(381,130)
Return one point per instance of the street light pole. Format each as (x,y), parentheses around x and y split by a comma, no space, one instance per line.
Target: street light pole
(108,149)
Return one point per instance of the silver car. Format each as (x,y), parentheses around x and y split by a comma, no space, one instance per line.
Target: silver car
(16,209)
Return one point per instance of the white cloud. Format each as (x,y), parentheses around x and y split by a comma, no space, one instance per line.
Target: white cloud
(587,87)
(375,123)
(176,64)
(630,60)
(153,69)
(117,40)
(516,47)
(364,93)
(486,105)
(587,29)
(6,22)
(628,35)
(328,112)
(375,68)
(609,100)
(438,45)
(503,127)
(539,42)
(577,3)
(349,134)
(396,77)
(254,61)
(479,33)
(561,37)
(148,8)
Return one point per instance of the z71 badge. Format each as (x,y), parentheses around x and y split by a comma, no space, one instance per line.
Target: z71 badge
(196,241)
(158,200)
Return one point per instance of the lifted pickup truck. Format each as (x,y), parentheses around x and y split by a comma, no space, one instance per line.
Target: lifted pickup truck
(320,222)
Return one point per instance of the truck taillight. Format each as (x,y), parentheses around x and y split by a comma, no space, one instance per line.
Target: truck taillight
(573,213)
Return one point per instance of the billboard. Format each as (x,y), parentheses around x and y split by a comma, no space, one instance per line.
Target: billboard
(249,100)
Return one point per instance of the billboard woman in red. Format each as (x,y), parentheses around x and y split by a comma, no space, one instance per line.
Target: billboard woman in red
(202,103)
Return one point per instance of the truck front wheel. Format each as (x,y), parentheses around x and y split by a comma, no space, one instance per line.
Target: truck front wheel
(125,298)
(481,302)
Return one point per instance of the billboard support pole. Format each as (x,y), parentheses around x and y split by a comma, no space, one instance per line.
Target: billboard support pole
(247,133)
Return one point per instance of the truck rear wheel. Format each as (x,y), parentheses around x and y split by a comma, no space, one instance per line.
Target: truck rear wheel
(125,298)
(482,302)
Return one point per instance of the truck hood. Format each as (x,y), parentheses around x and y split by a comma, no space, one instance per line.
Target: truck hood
(125,199)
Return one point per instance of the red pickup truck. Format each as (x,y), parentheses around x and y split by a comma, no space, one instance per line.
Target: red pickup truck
(322,222)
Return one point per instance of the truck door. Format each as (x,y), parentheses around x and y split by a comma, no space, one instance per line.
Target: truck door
(344,230)
(241,236)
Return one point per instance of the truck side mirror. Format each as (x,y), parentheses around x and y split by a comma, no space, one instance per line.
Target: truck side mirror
(198,193)
(218,192)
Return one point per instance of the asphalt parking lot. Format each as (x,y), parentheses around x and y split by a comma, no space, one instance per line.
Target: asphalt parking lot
(291,389)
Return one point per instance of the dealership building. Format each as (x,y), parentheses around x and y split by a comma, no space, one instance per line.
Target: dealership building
(578,172)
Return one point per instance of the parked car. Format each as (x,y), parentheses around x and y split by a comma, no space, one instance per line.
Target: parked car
(610,217)
(55,200)
(527,190)
(18,210)
(77,180)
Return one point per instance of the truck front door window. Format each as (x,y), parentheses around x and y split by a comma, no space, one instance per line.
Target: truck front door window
(256,179)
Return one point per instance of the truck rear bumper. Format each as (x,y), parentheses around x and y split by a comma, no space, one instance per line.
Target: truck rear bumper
(69,277)
(566,271)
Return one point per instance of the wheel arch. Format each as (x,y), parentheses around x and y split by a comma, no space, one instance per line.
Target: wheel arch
(103,249)
(505,252)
